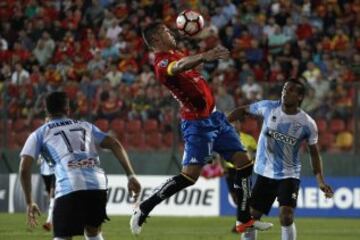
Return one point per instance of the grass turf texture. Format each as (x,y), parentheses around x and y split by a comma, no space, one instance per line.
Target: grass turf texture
(12,226)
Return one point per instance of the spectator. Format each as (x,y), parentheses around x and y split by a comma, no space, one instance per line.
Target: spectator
(20,75)
(224,101)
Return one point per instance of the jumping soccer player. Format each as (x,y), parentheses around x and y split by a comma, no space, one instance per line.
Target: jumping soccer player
(204,129)
(285,127)
(81,185)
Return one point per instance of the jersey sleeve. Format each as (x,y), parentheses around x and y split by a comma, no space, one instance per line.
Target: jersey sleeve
(165,64)
(97,134)
(32,145)
(260,108)
(313,135)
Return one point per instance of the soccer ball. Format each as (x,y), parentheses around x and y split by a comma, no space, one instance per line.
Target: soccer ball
(189,22)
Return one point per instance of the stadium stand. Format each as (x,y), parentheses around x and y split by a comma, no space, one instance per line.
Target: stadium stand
(102,63)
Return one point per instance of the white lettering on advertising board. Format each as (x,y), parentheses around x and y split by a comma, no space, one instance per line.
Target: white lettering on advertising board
(201,199)
(313,198)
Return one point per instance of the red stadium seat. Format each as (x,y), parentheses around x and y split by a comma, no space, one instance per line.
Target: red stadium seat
(102,124)
(118,126)
(350,125)
(8,126)
(168,139)
(321,125)
(36,123)
(21,137)
(154,140)
(133,126)
(326,140)
(19,125)
(337,125)
(136,141)
(150,126)
(11,142)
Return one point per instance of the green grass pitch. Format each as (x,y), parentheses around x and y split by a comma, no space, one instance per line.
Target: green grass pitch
(12,226)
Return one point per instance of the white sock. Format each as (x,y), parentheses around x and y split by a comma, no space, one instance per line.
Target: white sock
(250,234)
(57,238)
(97,237)
(50,211)
(288,232)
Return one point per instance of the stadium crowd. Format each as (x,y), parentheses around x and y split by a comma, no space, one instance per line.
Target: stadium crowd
(93,50)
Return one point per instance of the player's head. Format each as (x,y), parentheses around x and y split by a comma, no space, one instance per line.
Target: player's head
(293,93)
(159,37)
(57,104)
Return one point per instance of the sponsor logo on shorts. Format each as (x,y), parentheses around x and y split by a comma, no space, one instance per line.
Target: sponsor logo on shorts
(193,160)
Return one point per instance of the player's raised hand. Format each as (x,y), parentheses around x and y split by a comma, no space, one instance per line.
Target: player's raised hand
(219,52)
(33,212)
(134,188)
(327,190)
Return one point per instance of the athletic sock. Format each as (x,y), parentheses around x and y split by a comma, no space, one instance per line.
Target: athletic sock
(242,187)
(288,232)
(50,211)
(166,190)
(97,237)
(250,234)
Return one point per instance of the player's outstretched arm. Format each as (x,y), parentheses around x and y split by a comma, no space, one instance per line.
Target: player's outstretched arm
(190,62)
(238,113)
(118,150)
(317,167)
(25,179)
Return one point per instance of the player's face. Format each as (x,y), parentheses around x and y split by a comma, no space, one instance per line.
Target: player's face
(290,95)
(167,38)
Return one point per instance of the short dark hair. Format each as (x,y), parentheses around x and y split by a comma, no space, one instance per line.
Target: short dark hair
(150,31)
(57,103)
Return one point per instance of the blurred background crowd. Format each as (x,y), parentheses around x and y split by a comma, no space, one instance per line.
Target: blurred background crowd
(93,50)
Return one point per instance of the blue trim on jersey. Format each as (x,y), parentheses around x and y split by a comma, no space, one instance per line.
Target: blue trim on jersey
(263,107)
(261,163)
(98,134)
(63,184)
(39,140)
(89,174)
(279,153)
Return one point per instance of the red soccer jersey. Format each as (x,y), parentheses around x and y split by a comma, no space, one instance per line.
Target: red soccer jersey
(189,87)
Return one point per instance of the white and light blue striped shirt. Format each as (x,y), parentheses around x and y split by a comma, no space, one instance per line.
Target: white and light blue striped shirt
(281,136)
(70,146)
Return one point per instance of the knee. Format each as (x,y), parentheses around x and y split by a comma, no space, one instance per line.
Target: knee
(91,231)
(241,160)
(286,217)
(255,213)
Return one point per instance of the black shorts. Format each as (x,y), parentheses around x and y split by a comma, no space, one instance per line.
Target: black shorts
(230,179)
(76,210)
(266,190)
(49,181)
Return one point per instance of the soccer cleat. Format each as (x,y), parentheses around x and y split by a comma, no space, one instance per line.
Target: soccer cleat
(262,226)
(47,226)
(136,221)
(258,225)
(241,227)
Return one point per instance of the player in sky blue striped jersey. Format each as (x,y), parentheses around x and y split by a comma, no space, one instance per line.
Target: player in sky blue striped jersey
(285,127)
(81,184)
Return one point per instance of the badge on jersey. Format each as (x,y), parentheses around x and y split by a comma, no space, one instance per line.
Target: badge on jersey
(164,63)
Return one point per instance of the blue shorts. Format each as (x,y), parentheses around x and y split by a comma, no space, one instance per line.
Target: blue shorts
(202,137)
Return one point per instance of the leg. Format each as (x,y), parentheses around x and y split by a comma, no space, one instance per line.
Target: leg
(288,228)
(49,181)
(287,196)
(66,238)
(242,185)
(198,147)
(93,233)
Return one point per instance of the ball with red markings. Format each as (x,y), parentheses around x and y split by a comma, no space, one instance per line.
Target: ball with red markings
(189,22)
